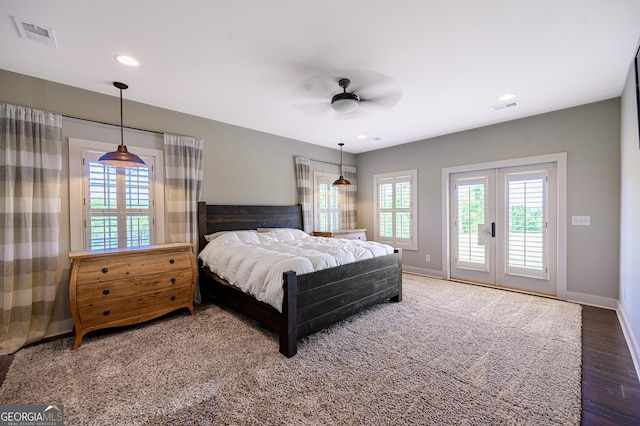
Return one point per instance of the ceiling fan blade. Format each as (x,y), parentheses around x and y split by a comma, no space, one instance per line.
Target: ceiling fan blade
(383,99)
(313,109)
(369,80)
(317,87)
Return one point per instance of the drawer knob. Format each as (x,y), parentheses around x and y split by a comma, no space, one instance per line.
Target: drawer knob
(105,270)
(105,313)
(172,261)
(106,291)
(173,298)
(173,280)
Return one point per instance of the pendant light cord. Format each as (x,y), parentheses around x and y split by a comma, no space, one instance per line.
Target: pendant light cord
(121,120)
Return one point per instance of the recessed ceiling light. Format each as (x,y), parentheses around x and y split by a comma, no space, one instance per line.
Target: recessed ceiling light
(362,136)
(127,60)
(507,96)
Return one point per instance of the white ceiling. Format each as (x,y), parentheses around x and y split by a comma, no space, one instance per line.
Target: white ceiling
(259,64)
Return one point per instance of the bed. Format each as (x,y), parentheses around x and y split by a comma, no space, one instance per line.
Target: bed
(312,301)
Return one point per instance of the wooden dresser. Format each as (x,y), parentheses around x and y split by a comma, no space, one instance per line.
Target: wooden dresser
(350,234)
(127,286)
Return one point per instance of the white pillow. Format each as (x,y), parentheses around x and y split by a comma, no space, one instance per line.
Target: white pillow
(237,237)
(289,234)
(211,237)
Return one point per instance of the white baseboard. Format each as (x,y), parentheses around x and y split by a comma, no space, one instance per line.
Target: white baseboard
(597,301)
(632,343)
(422,271)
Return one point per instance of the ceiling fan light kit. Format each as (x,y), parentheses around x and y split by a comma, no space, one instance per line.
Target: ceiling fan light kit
(345,102)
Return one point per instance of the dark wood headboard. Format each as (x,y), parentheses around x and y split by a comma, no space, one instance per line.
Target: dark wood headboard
(214,218)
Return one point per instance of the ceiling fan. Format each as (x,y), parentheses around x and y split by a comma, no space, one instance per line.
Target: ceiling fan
(316,96)
(345,102)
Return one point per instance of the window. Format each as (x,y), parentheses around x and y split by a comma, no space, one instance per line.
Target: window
(114,207)
(118,204)
(326,203)
(396,217)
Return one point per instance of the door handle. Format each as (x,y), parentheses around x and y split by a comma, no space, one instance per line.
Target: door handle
(493,229)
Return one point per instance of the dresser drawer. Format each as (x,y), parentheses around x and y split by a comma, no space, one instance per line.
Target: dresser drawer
(165,300)
(134,286)
(110,311)
(101,314)
(103,269)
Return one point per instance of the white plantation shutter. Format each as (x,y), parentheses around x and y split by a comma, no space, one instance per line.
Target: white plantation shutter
(396,195)
(527,224)
(326,206)
(471,215)
(118,205)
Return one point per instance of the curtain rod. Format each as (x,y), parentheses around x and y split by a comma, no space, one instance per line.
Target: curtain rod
(111,124)
(333,164)
(324,162)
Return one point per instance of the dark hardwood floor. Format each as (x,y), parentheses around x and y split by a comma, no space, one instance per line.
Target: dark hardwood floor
(610,387)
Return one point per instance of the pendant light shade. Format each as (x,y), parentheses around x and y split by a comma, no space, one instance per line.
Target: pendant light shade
(121,157)
(341,181)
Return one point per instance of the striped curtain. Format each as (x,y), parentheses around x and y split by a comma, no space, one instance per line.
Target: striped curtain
(183,189)
(30,168)
(348,199)
(305,191)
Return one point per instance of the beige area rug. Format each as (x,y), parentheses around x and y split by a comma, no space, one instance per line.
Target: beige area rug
(449,353)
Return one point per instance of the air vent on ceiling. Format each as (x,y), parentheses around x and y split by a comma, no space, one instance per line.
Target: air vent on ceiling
(505,106)
(36,33)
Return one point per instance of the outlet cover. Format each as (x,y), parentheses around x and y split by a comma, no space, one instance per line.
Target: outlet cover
(427,258)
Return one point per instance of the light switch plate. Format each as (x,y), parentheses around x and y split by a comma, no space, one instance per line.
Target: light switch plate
(581,220)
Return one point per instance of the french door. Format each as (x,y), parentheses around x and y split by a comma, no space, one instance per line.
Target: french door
(503,227)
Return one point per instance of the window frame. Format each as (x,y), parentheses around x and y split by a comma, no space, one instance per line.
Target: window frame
(406,244)
(317,177)
(77,192)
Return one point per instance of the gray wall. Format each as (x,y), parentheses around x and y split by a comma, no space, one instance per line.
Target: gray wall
(241,166)
(590,135)
(630,212)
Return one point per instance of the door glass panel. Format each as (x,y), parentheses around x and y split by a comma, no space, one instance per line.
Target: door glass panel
(526,242)
(471,218)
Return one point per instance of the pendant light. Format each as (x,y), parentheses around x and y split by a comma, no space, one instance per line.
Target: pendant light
(121,157)
(341,180)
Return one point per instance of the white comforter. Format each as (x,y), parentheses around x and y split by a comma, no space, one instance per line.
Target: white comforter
(255,261)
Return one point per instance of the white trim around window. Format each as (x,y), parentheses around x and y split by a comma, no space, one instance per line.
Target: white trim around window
(401,213)
(331,213)
(76,148)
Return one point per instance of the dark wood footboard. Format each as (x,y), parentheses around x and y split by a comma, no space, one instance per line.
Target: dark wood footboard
(328,296)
